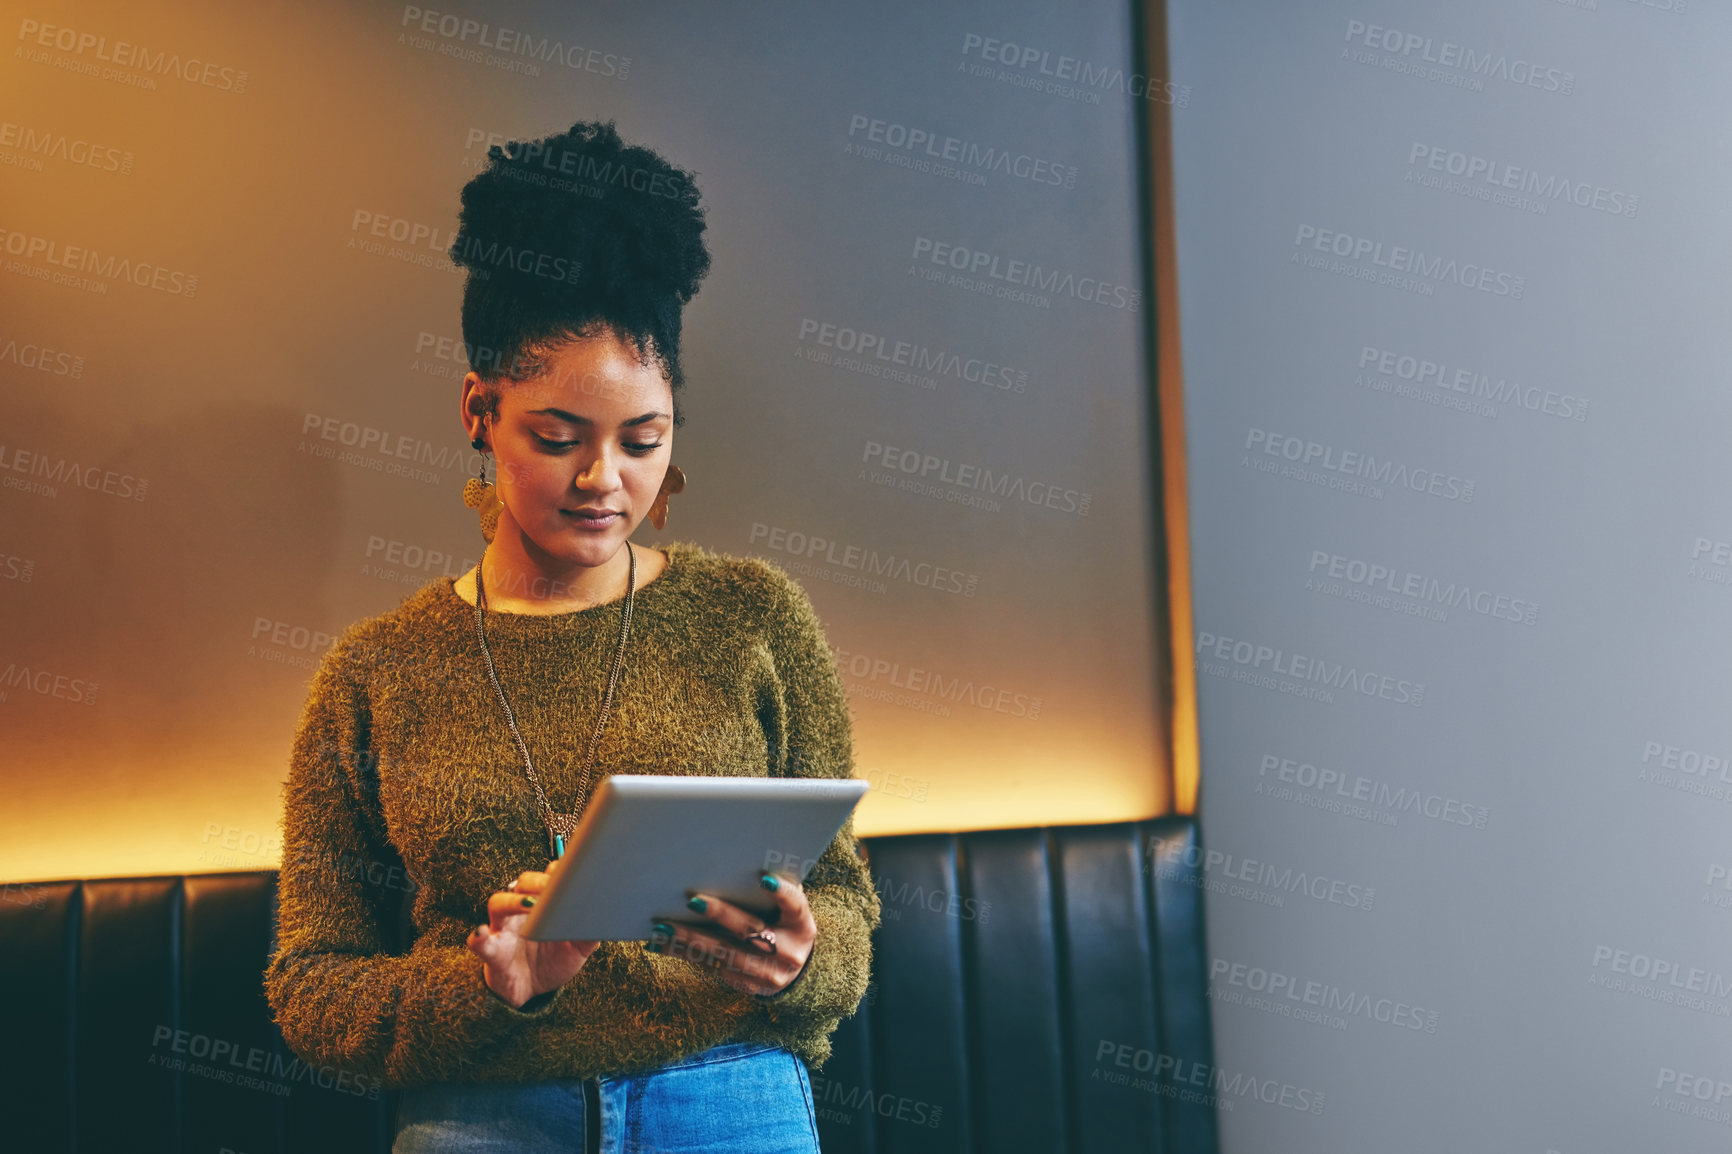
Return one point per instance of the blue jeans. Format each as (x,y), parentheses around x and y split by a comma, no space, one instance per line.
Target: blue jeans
(735,1098)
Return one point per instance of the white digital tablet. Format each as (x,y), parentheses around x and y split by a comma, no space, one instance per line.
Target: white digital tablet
(647,842)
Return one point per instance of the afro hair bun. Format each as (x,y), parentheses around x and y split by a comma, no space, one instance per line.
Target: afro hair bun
(570,233)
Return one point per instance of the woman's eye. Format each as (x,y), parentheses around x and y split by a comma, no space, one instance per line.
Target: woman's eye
(638,448)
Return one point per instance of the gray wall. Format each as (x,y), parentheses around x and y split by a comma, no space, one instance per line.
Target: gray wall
(1452,281)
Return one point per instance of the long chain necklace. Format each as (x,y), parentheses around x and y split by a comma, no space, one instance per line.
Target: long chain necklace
(560,825)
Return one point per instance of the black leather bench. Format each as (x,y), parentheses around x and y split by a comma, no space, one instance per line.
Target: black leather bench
(1030,986)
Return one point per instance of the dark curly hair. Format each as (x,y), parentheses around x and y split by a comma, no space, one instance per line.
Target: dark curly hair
(570,236)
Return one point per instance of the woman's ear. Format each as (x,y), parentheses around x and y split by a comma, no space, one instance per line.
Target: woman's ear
(474,407)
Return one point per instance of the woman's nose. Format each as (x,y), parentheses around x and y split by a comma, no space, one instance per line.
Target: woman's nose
(599,475)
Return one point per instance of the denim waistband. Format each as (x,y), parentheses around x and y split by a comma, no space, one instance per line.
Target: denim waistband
(726,1052)
(755,1090)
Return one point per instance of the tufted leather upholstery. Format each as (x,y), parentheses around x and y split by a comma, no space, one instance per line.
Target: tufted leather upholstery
(1022,981)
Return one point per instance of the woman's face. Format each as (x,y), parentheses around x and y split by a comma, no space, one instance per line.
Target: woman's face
(590,434)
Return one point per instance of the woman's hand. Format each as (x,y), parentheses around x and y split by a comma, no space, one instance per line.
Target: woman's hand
(755,967)
(518,969)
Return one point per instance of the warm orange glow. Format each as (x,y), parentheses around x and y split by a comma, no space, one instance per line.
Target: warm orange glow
(1170,394)
(177,606)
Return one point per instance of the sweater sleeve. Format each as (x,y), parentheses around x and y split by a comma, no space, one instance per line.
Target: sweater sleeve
(815,739)
(340,999)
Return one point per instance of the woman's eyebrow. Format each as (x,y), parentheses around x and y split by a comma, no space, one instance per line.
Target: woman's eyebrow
(577,420)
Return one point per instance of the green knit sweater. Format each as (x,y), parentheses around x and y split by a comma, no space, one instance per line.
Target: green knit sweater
(404,780)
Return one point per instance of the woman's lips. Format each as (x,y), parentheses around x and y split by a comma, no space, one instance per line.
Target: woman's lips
(590,520)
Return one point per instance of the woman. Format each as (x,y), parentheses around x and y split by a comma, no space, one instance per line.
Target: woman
(462,733)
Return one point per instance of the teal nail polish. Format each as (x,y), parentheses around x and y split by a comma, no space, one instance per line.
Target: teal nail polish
(769,882)
(653,947)
(697,903)
(664,928)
